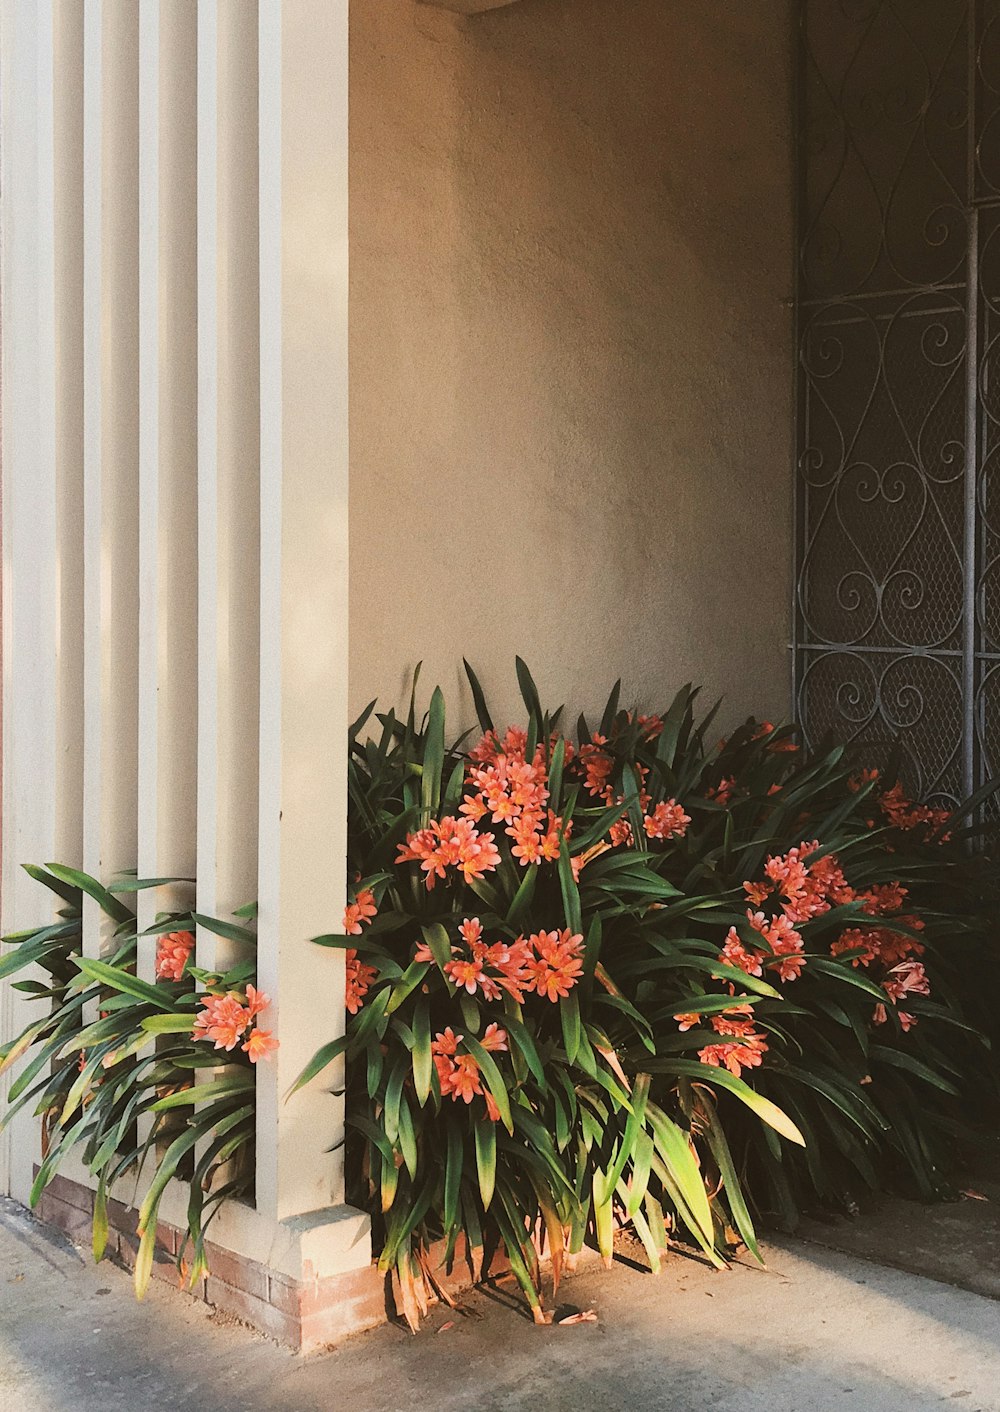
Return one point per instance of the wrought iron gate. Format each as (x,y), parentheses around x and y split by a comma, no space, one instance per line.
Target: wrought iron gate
(897,599)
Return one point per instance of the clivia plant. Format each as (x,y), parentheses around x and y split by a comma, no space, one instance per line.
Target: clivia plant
(623,977)
(142,1079)
(622,980)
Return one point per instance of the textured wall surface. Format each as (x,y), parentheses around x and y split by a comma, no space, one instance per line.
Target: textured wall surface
(570,342)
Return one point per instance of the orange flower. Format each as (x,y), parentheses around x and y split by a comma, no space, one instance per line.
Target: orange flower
(450,843)
(668,820)
(909,977)
(687,1022)
(359,913)
(734,953)
(722,792)
(471,930)
(557,964)
(757,893)
(172,953)
(744,1051)
(473,977)
(458,1074)
(883,899)
(257,1001)
(260,1045)
(857,782)
(223,1020)
(357,980)
(464,1081)
(597,764)
(495,1039)
(552,840)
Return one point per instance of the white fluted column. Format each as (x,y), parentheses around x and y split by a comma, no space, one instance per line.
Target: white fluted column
(304,608)
(30,621)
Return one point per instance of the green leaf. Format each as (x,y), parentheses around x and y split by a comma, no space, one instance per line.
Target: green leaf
(99,1230)
(107,903)
(529,692)
(430,783)
(229,930)
(677,1156)
(120,980)
(479,699)
(439,943)
(569,1015)
(452,1177)
(422,1061)
(411,979)
(716,1138)
(570,891)
(767,1111)
(320,1060)
(243,1081)
(486,1159)
(66,891)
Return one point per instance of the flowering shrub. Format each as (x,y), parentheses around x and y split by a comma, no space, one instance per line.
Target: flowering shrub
(114,1061)
(591,982)
(868,915)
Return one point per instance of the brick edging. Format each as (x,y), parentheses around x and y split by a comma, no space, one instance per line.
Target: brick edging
(305,1315)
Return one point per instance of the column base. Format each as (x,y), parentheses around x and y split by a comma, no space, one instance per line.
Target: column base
(308,1308)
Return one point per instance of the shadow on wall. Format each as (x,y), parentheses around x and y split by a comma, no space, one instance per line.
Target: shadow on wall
(571,362)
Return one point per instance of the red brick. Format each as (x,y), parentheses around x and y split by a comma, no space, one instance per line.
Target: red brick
(121,1217)
(236,1271)
(260,1315)
(73,1193)
(349,1315)
(285,1294)
(363,1287)
(71,1220)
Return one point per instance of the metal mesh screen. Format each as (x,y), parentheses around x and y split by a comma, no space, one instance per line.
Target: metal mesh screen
(898,312)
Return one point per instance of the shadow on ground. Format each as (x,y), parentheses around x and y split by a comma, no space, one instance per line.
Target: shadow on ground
(818,1331)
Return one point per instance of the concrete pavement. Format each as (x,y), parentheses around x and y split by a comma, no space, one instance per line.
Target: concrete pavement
(819,1331)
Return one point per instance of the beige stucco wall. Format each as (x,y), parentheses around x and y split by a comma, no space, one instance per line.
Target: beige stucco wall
(570,347)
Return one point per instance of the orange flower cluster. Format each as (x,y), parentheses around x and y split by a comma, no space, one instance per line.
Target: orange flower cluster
(598,766)
(172,953)
(902,813)
(546,963)
(784,943)
(503,783)
(359,913)
(804,890)
(722,792)
(459,1074)
(357,980)
(450,843)
(226,1019)
(891,952)
(742,1046)
(666,820)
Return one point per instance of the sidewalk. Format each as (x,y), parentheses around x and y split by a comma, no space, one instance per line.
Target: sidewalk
(819,1331)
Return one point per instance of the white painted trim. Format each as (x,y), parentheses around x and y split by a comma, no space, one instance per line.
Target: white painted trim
(269,767)
(208,475)
(27,289)
(149,660)
(93,470)
(303,140)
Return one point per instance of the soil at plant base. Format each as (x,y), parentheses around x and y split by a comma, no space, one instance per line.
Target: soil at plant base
(817,1331)
(957,1241)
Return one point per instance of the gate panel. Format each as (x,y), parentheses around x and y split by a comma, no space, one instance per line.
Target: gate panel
(897,604)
